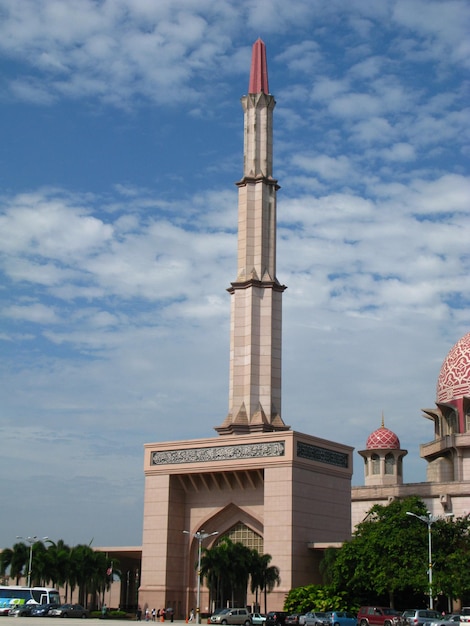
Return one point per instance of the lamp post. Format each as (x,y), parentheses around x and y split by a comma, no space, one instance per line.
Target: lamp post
(429,521)
(200,535)
(31,541)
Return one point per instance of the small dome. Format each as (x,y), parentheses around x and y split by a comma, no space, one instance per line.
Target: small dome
(454,377)
(383,439)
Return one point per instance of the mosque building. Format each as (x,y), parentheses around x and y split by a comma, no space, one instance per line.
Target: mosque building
(285,493)
(447,486)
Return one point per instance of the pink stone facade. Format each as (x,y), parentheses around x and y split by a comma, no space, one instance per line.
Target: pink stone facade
(291,489)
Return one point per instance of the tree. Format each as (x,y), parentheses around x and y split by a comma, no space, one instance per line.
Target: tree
(215,563)
(387,557)
(229,566)
(381,558)
(315,598)
(271,578)
(16,559)
(263,576)
(59,565)
(451,557)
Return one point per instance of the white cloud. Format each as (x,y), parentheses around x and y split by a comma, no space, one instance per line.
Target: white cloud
(118,227)
(35,312)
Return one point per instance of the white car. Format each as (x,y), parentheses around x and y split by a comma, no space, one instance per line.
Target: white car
(258,619)
(314,618)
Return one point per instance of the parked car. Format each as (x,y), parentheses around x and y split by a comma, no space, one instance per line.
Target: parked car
(447,620)
(341,618)
(20,610)
(232,616)
(258,619)
(314,618)
(378,616)
(42,610)
(465,615)
(276,618)
(69,610)
(293,619)
(419,617)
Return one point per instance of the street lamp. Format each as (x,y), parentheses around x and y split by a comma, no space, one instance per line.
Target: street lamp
(200,535)
(429,521)
(31,541)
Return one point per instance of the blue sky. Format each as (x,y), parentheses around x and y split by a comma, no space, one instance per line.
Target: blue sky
(121,138)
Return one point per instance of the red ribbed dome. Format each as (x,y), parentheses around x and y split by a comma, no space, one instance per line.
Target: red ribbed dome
(454,377)
(383,439)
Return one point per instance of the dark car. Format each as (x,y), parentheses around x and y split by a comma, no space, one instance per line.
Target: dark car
(69,610)
(20,610)
(42,610)
(293,619)
(274,618)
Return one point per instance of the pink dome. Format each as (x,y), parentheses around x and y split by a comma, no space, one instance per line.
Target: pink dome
(454,377)
(383,439)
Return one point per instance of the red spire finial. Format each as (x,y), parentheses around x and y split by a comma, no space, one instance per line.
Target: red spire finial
(259,69)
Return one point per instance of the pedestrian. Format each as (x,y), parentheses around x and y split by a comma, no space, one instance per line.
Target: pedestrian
(154,613)
(147,614)
(138,614)
(163,613)
(191,615)
(158,615)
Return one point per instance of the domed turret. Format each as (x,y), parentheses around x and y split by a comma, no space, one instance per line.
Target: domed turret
(383,439)
(454,378)
(383,458)
(448,455)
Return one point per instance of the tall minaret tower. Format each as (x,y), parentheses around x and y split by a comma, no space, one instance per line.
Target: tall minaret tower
(256,307)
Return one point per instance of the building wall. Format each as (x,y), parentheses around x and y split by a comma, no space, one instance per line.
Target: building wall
(440,498)
(299,492)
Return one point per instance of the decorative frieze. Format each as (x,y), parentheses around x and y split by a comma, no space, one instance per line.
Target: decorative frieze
(322,455)
(218,453)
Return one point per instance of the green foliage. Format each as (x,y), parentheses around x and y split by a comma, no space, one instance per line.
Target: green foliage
(315,598)
(56,564)
(387,556)
(451,557)
(227,568)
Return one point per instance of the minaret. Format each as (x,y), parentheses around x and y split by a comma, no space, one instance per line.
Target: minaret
(256,306)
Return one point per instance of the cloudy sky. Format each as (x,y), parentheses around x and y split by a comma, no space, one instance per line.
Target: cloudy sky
(121,140)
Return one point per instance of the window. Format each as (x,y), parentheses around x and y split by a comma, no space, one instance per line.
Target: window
(242,534)
(389,463)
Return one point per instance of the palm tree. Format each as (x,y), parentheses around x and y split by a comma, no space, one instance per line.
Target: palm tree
(215,563)
(239,572)
(271,579)
(58,557)
(263,576)
(227,568)
(16,559)
(39,564)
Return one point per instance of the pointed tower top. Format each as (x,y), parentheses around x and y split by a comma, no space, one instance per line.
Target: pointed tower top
(259,69)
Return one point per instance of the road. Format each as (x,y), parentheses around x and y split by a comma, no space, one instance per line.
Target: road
(57,621)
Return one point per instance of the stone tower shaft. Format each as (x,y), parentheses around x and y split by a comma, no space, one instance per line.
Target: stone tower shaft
(256,307)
